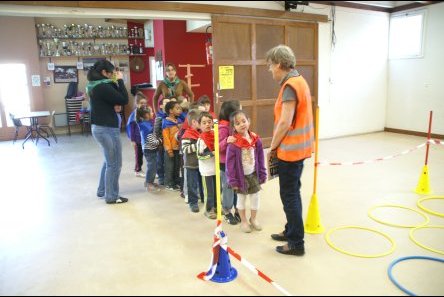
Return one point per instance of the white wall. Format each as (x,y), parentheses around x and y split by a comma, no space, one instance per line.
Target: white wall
(353,74)
(416,85)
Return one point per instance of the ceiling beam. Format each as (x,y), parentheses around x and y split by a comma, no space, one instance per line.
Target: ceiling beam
(377,8)
(413,5)
(353,5)
(177,6)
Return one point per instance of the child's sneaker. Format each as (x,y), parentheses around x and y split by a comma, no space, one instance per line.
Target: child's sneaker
(245,228)
(140,173)
(169,188)
(194,208)
(230,219)
(152,188)
(211,214)
(255,224)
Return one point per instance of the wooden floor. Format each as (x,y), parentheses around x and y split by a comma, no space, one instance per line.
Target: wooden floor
(57,238)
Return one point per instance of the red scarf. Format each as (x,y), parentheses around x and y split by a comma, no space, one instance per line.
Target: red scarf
(224,123)
(208,138)
(190,134)
(242,143)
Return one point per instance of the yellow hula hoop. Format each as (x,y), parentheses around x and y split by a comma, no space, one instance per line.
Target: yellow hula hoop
(423,245)
(428,210)
(327,238)
(398,225)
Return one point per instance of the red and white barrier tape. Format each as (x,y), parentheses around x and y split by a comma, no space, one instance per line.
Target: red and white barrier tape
(220,241)
(324,163)
(257,271)
(436,141)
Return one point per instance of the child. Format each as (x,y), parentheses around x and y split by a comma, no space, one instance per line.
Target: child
(183,117)
(246,168)
(198,107)
(160,116)
(150,144)
(205,155)
(118,110)
(170,128)
(133,133)
(191,164)
(226,109)
(206,102)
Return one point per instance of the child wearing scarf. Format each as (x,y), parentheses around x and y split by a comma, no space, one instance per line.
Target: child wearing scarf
(191,163)
(170,127)
(245,169)
(205,155)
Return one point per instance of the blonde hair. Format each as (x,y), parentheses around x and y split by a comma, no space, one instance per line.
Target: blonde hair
(282,55)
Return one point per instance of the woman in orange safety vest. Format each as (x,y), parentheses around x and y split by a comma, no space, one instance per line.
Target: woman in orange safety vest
(292,143)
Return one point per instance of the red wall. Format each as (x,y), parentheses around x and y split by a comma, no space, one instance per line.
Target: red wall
(181,47)
(144,76)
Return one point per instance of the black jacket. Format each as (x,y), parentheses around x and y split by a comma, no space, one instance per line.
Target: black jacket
(103,99)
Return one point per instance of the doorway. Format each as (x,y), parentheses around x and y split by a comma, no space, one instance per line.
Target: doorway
(14,97)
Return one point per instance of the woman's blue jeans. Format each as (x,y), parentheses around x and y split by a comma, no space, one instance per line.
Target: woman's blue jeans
(290,190)
(109,140)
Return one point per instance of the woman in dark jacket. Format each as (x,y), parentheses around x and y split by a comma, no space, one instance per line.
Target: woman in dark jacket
(104,94)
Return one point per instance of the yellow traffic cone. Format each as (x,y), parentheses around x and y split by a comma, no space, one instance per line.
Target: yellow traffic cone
(423,186)
(313,222)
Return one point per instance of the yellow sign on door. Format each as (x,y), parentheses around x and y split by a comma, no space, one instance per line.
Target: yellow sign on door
(226,77)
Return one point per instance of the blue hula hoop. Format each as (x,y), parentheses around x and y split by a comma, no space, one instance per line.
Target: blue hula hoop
(390,268)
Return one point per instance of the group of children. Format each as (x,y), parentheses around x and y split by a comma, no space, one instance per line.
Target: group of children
(178,145)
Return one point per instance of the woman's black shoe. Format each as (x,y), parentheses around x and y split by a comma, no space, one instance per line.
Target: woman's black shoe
(286,250)
(279,237)
(118,200)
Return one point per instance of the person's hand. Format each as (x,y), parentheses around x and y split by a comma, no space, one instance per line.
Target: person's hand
(170,154)
(119,75)
(231,139)
(235,189)
(272,153)
(133,143)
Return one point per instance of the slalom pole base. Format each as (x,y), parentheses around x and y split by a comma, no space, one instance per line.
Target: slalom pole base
(423,187)
(224,271)
(313,223)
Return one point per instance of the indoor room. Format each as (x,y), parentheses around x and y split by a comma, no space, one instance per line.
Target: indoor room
(371,187)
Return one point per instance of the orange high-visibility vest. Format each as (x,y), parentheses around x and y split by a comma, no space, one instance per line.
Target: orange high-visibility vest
(297,144)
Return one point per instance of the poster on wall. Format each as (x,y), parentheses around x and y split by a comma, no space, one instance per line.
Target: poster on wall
(35,80)
(89,62)
(226,77)
(123,66)
(65,74)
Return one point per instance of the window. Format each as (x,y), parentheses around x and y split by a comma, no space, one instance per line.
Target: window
(153,79)
(14,90)
(406,35)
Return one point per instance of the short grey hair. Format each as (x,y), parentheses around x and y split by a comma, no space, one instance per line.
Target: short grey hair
(283,55)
